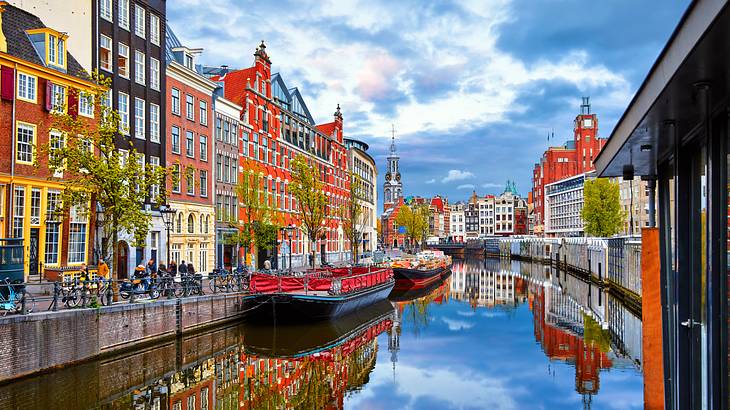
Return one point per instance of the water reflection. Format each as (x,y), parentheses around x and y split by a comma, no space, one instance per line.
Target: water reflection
(493,335)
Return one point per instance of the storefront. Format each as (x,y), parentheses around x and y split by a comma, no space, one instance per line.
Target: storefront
(676,131)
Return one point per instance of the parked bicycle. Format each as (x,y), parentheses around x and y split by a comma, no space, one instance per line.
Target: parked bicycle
(14,298)
(135,287)
(190,285)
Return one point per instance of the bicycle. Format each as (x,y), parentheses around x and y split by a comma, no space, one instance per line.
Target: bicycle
(16,298)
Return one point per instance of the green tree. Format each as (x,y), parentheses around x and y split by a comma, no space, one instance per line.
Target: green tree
(308,189)
(414,219)
(259,225)
(95,169)
(602,211)
(351,214)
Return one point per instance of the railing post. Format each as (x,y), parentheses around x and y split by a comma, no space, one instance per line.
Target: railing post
(215,288)
(22,302)
(109,293)
(56,290)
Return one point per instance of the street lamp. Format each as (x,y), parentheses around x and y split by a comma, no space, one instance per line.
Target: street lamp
(168,215)
(289,233)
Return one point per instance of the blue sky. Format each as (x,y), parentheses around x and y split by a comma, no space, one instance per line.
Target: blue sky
(472,87)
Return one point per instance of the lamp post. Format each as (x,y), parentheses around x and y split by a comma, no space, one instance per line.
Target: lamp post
(289,233)
(167,216)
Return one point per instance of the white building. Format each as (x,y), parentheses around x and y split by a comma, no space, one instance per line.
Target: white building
(486,215)
(363,165)
(563,206)
(457,227)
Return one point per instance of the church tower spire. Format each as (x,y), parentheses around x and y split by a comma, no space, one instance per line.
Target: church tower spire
(393,187)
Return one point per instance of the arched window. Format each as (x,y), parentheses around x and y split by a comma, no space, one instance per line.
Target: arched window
(179,223)
(191,223)
(207,223)
(202,222)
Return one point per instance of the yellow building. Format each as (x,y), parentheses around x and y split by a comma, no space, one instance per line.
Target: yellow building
(192,238)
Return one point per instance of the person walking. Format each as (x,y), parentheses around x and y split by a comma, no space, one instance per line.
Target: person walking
(183,269)
(102,270)
(191,269)
(172,269)
(150,268)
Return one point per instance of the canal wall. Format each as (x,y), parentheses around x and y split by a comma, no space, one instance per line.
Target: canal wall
(43,341)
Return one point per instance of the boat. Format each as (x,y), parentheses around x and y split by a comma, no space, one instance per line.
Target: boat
(303,339)
(403,294)
(315,295)
(426,268)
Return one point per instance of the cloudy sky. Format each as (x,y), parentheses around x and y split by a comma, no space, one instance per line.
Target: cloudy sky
(472,87)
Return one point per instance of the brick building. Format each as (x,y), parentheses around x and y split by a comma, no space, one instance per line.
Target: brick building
(278,126)
(572,158)
(38,76)
(189,153)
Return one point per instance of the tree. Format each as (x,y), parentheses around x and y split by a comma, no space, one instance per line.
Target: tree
(308,189)
(414,219)
(379,230)
(94,169)
(351,214)
(602,211)
(260,222)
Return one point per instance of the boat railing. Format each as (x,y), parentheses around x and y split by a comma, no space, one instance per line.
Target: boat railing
(336,281)
(353,283)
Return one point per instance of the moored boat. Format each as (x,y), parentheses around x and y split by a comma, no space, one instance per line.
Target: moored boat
(426,268)
(405,294)
(316,295)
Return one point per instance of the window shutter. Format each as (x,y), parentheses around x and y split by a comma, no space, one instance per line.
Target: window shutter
(49,92)
(7,83)
(73,103)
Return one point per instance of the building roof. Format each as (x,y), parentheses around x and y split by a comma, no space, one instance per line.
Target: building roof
(15,23)
(236,84)
(326,128)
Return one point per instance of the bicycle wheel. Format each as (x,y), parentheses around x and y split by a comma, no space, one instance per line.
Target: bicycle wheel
(180,289)
(213,284)
(72,298)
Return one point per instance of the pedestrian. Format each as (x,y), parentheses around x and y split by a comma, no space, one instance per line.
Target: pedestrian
(150,268)
(84,273)
(191,269)
(183,269)
(172,269)
(102,269)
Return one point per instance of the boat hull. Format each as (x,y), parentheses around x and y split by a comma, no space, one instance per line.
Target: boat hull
(416,278)
(408,294)
(297,307)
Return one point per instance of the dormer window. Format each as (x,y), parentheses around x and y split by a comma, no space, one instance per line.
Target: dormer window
(189,61)
(50,46)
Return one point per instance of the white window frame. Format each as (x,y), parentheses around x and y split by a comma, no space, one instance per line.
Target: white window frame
(175,101)
(155,188)
(58,104)
(30,151)
(123,109)
(154,29)
(203,112)
(203,143)
(123,12)
(123,52)
(203,176)
(139,21)
(190,187)
(139,118)
(86,104)
(31,91)
(172,139)
(105,43)
(190,107)
(105,9)
(139,67)
(154,123)
(155,74)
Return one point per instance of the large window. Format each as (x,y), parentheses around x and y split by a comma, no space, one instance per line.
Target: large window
(139,117)
(175,95)
(86,104)
(25,143)
(35,207)
(189,144)
(155,74)
(52,237)
(203,112)
(219,167)
(203,183)
(139,21)
(27,86)
(191,223)
(190,181)
(123,60)
(105,9)
(189,110)
(203,266)
(123,108)
(155,188)
(175,140)
(203,147)
(58,97)
(154,123)
(139,67)
(55,142)
(18,211)
(77,242)
(176,178)
(154,29)
(123,14)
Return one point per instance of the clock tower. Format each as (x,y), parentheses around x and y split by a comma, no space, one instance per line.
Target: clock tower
(393,187)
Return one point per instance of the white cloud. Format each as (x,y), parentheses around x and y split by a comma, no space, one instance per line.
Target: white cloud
(491,185)
(431,181)
(457,175)
(455,325)
(465,186)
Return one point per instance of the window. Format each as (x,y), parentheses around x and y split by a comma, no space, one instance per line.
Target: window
(139,23)
(175,140)
(200,225)
(203,112)
(56,142)
(154,122)
(203,266)
(155,74)
(77,242)
(203,183)
(139,118)
(189,107)
(219,129)
(175,101)
(25,143)
(155,188)
(52,238)
(190,181)
(176,180)
(58,97)
(154,29)
(123,12)
(86,104)
(203,147)
(191,229)
(35,207)
(175,255)
(19,211)
(139,71)
(189,144)
(105,9)
(189,61)
(27,86)
(123,108)
(123,60)
(226,132)
(219,167)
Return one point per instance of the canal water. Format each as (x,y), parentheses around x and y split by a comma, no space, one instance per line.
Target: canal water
(495,335)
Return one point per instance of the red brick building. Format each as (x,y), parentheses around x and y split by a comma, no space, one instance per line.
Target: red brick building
(278,126)
(31,88)
(572,158)
(188,150)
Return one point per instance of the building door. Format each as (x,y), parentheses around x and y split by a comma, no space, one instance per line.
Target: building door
(122,258)
(33,252)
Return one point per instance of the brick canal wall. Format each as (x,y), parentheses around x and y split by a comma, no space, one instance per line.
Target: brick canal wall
(43,341)
(98,383)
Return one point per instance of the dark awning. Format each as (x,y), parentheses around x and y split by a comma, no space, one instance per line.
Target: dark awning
(697,52)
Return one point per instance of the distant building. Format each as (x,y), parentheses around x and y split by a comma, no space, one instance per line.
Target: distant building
(572,158)
(439,219)
(471,217)
(392,187)
(563,206)
(363,166)
(393,236)
(634,198)
(457,227)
